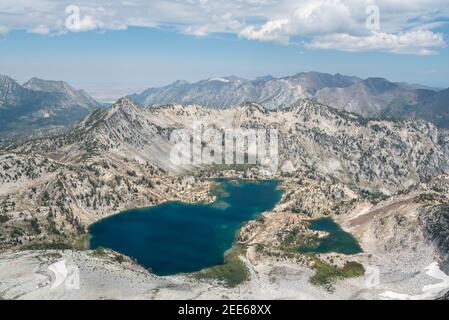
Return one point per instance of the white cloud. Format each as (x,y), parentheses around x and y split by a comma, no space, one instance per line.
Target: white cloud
(3,29)
(215,25)
(414,42)
(271,31)
(318,22)
(87,23)
(40,29)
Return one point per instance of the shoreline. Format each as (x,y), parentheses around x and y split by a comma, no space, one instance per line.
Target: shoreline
(264,267)
(215,191)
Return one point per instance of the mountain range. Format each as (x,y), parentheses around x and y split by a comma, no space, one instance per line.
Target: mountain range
(372,97)
(42,107)
(40,104)
(380,155)
(119,158)
(386,181)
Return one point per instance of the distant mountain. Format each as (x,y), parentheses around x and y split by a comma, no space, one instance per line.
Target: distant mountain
(419,86)
(13,94)
(431,106)
(40,105)
(369,97)
(223,92)
(71,95)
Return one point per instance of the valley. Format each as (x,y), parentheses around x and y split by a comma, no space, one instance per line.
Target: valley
(383,181)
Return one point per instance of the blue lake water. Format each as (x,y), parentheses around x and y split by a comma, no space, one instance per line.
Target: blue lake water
(337,240)
(176,237)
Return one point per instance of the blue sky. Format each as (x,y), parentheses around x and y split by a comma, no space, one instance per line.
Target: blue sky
(117,57)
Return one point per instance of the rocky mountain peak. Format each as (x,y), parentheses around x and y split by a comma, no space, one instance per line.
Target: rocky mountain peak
(41,104)
(303,104)
(9,88)
(379,85)
(48,85)
(7,82)
(6,79)
(72,95)
(124,105)
(265,78)
(180,83)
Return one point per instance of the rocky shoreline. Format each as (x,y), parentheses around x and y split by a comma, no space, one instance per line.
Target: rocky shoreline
(267,256)
(385,182)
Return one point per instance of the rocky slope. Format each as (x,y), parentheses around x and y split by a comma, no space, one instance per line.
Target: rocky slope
(435,220)
(399,262)
(384,181)
(116,156)
(375,155)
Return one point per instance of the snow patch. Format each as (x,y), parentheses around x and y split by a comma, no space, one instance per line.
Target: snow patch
(219,79)
(429,291)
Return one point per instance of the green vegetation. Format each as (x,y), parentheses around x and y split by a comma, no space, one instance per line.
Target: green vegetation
(3,218)
(100,252)
(47,246)
(35,226)
(282,253)
(326,274)
(51,255)
(119,258)
(373,196)
(81,243)
(292,239)
(232,272)
(105,253)
(45,198)
(220,168)
(430,197)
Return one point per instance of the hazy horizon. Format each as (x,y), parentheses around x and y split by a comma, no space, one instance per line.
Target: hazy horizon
(110,92)
(114,48)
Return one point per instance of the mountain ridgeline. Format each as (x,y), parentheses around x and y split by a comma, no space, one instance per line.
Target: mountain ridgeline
(378,155)
(40,106)
(372,97)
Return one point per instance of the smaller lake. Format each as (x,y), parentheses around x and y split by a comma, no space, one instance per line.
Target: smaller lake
(176,237)
(338,240)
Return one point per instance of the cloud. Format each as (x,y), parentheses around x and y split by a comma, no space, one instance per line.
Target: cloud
(323,24)
(87,23)
(40,29)
(216,24)
(414,42)
(270,31)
